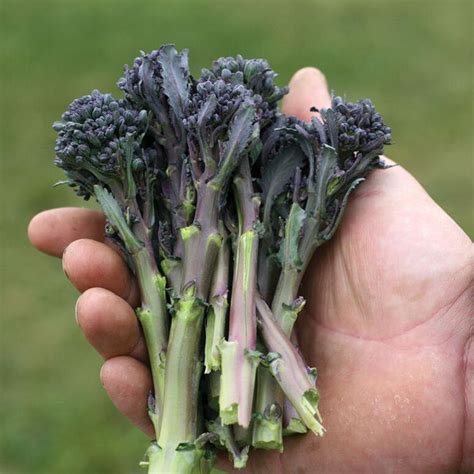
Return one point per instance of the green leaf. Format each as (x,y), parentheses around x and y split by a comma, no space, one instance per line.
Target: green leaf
(276,176)
(327,164)
(288,255)
(175,77)
(326,168)
(333,185)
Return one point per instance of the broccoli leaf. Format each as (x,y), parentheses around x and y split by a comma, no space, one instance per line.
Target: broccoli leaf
(277,175)
(175,77)
(288,254)
(240,133)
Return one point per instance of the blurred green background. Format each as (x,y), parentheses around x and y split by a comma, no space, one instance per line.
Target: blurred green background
(413,58)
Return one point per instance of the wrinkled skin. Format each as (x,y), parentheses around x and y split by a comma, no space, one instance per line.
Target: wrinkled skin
(389,323)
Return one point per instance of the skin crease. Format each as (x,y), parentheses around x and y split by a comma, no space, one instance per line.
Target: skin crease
(389,323)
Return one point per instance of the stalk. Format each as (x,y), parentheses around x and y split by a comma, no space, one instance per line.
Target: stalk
(270,406)
(288,368)
(178,448)
(285,308)
(218,305)
(201,243)
(292,423)
(267,428)
(216,321)
(271,403)
(177,453)
(285,305)
(152,314)
(239,356)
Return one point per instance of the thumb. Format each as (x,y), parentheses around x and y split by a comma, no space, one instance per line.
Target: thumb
(308,88)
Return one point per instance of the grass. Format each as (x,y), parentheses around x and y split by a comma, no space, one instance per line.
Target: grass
(412,58)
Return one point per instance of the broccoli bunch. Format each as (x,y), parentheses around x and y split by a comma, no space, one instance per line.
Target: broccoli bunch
(218,202)
(98,138)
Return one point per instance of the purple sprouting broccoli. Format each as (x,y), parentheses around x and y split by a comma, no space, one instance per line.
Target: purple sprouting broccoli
(257,76)
(231,99)
(308,172)
(223,129)
(221,123)
(96,137)
(218,202)
(100,149)
(160,82)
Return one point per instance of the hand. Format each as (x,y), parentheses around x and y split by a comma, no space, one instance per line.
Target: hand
(388,323)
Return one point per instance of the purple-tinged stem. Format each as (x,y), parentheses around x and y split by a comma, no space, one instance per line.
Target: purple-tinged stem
(238,353)
(289,369)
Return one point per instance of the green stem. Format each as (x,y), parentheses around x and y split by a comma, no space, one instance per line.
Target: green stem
(267,427)
(152,314)
(201,241)
(178,451)
(215,330)
(267,432)
(284,297)
(289,369)
(171,267)
(285,307)
(238,354)
(218,305)
(177,454)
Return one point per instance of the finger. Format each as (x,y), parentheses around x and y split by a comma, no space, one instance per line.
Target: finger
(91,264)
(53,230)
(110,324)
(127,381)
(308,88)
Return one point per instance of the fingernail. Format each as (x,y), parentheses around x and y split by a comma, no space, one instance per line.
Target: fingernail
(75,312)
(62,261)
(101,374)
(309,74)
(308,88)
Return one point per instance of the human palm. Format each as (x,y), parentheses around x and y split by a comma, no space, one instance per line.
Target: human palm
(389,323)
